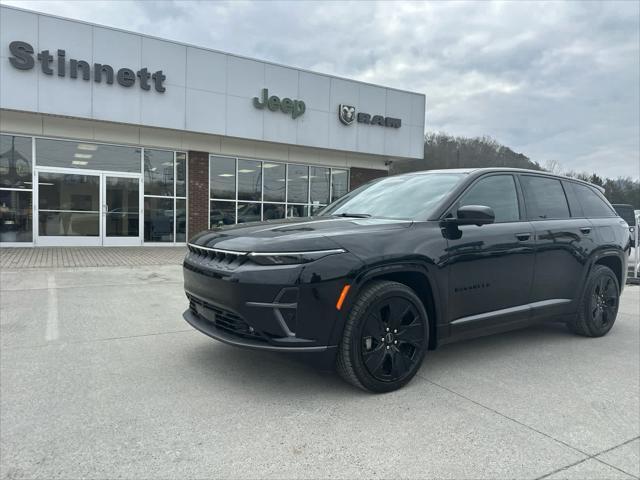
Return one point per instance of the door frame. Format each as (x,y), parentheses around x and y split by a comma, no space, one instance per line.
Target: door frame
(85,241)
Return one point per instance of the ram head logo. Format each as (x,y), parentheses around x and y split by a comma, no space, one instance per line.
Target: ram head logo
(347,114)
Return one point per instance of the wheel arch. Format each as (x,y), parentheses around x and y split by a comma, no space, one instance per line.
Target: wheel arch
(417,278)
(613,261)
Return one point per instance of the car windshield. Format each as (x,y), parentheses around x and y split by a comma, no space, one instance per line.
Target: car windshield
(411,197)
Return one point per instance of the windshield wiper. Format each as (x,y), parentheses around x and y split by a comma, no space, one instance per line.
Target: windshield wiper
(354,215)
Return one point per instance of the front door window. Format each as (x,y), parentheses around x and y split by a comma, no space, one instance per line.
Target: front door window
(68,205)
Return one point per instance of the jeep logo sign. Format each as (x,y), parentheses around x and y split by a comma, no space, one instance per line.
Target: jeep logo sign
(293,107)
(347,114)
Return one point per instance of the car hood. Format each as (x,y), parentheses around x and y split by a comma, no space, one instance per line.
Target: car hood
(293,234)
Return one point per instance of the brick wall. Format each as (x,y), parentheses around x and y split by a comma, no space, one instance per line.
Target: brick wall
(360,176)
(198,192)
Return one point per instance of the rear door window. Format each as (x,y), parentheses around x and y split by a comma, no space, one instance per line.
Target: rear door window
(499,193)
(544,197)
(593,205)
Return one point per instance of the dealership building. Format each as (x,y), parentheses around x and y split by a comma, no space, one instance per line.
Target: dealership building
(110,137)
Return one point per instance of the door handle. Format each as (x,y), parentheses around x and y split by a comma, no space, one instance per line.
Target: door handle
(585,230)
(523,236)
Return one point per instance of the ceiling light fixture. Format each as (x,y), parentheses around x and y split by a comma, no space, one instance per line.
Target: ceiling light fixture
(79,162)
(87,146)
(83,155)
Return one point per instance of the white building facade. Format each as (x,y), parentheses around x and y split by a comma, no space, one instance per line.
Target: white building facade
(110,137)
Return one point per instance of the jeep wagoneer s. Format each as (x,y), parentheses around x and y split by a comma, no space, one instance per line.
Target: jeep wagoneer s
(406,263)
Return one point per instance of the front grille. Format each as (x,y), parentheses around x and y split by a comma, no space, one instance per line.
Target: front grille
(223,319)
(215,258)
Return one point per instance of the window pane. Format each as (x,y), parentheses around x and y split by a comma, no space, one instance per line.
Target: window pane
(249,180)
(592,205)
(123,203)
(15,216)
(68,224)
(60,153)
(340,183)
(222,213)
(181,174)
(15,162)
(249,212)
(274,182)
(158,172)
(545,198)
(158,219)
(273,211)
(320,178)
(181,220)
(223,177)
(497,192)
(61,191)
(297,211)
(298,183)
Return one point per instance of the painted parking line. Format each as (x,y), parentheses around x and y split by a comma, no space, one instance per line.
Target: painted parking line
(52,332)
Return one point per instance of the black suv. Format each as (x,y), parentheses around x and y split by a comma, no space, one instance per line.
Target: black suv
(406,263)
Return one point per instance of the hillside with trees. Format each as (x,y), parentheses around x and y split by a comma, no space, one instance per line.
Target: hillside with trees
(446,151)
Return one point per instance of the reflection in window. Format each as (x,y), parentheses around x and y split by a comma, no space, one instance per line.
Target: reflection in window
(297,211)
(68,224)
(158,219)
(545,198)
(320,178)
(181,220)
(273,211)
(223,177)
(222,213)
(339,183)
(93,156)
(274,182)
(181,174)
(249,180)
(497,192)
(15,162)
(298,183)
(62,191)
(249,212)
(15,216)
(158,173)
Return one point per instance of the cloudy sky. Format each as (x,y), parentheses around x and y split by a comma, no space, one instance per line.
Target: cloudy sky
(555,80)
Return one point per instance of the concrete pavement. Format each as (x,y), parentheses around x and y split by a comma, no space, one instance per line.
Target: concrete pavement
(101,378)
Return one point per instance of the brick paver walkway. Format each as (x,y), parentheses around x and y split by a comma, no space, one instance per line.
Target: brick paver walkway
(51,257)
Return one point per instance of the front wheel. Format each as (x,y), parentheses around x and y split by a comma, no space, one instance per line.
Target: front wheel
(598,305)
(385,338)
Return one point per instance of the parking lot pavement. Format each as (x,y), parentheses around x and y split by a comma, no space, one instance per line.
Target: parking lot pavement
(101,378)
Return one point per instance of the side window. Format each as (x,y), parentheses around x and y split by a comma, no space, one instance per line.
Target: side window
(592,204)
(498,192)
(544,197)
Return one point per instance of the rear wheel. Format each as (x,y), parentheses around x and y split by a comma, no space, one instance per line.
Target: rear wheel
(599,303)
(385,338)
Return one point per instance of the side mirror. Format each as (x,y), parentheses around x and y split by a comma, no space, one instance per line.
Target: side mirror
(474,215)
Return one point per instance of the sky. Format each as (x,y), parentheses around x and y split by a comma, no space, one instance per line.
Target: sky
(556,81)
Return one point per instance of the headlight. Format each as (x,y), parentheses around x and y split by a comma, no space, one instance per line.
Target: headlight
(291,258)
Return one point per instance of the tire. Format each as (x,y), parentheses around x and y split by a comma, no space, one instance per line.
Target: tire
(598,304)
(385,338)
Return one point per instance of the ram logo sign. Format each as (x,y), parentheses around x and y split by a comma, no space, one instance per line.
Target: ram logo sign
(347,115)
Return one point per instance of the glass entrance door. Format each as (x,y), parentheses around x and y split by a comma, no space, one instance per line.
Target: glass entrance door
(88,208)
(121,210)
(68,208)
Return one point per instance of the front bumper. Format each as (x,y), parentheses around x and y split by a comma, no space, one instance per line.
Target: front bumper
(285,308)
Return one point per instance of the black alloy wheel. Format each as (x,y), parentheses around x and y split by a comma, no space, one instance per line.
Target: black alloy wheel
(392,339)
(385,338)
(604,301)
(598,305)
